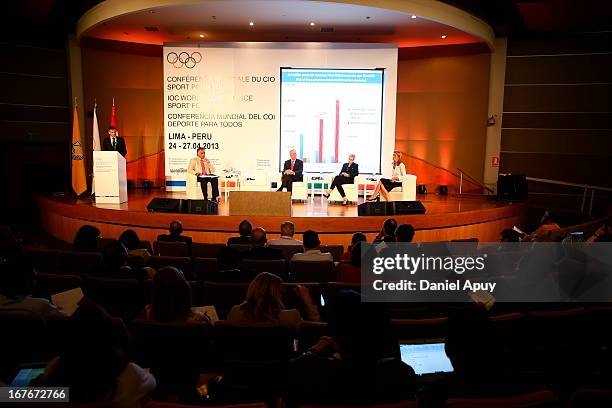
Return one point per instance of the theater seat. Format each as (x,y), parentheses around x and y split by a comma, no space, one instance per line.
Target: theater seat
(45,260)
(276,266)
(205,250)
(335,250)
(120,297)
(48,284)
(181,262)
(82,263)
(540,399)
(170,248)
(313,271)
(589,398)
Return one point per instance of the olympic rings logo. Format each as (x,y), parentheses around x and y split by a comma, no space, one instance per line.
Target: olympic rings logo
(184,59)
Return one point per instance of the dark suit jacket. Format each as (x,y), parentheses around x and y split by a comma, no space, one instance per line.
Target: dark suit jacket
(352,171)
(298,168)
(107,146)
(263,253)
(176,238)
(242,239)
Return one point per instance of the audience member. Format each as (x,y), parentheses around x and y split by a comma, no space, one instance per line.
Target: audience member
(86,239)
(387,233)
(244,229)
(94,364)
(350,272)
(357,237)
(228,262)
(312,251)
(16,285)
(287,230)
(404,233)
(175,232)
(115,257)
(603,233)
(131,241)
(544,233)
(171,298)
(510,235)
(360,353)
(264,304)
(477,359)
(259,249)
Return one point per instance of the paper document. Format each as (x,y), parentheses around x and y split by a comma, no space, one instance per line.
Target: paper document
(68,301)
(209,311)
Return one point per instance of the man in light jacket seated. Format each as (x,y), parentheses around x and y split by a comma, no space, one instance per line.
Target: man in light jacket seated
(287,230)
(311,249)
(204,170)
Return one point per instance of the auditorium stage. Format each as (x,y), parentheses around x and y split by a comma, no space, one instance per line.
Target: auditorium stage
(447,217)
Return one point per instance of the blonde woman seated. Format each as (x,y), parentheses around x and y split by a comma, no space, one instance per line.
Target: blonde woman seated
(384,184)
(264,304)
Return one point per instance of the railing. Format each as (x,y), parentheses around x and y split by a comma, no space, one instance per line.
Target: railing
(463,173)
(586,187)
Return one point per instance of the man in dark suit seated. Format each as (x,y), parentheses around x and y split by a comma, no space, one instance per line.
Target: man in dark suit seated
(175,230)
(292,171)
(347,175)
(259,250)
(244,229)
(114,142)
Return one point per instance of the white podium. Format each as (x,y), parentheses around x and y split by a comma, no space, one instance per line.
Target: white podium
(110,181)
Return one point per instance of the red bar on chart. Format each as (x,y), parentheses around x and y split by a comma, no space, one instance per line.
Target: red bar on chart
(337,131)
(320,158)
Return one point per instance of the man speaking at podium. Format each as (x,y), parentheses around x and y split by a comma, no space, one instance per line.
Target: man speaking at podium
(204,170)
(292,171)
(114,142)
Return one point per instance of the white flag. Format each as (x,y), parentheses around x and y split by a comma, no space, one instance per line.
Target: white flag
(95,144)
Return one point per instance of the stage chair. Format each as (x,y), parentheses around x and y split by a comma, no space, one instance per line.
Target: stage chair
(335,250)
(313,271)
(166,248)
(192,188)
(407,192)
(352,193)
(205,250)
(299,191)
(257,180)
(540,399)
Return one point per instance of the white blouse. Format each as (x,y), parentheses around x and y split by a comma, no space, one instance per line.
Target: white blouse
(399,171)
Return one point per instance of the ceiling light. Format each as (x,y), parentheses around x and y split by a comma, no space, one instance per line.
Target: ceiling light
(443,36)
(201,35)
(312,23)
(413,16)
(251,23)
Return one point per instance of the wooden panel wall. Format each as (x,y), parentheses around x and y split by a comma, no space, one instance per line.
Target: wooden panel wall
(557,112)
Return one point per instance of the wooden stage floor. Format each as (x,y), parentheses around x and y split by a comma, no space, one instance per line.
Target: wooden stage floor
(446,217)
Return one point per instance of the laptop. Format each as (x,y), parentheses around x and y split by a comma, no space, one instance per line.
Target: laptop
(426,357)
(25,373)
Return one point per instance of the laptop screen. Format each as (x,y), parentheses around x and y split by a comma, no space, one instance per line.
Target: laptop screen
(426,358)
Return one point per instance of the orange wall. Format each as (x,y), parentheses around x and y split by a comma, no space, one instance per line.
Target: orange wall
(136,83)
(441,114)
(441,110)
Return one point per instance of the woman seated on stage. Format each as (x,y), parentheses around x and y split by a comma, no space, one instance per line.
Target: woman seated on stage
(384,184)
(264,304)
(171,298)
